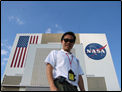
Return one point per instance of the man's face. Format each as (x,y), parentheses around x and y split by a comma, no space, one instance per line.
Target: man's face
(68,42)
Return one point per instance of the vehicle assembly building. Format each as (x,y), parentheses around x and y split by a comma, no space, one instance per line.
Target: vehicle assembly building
(26,70)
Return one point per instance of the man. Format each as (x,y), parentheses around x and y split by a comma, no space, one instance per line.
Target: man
(62,67)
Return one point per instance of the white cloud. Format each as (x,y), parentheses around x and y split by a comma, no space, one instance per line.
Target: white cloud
(5,59)
(11,18)
(57,29)
(56,25)
(20,22)
(4,52)
(3,63)
(9,48)
(60,31)
(48,30)
(15,19)
(5,45)
(1,44)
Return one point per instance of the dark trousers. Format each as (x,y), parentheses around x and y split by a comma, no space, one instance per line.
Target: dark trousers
(65,86)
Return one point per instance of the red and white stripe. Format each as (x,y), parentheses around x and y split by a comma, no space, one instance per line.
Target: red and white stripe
(20,54)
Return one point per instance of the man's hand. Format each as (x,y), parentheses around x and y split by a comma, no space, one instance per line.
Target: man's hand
(53,88)
(49,70)
(81,84)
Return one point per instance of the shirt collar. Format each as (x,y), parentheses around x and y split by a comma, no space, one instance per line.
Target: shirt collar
(66,51)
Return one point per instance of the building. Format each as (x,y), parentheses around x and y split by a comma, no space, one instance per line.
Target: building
(25,70)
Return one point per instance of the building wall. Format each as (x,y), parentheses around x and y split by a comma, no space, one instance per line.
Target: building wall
(10,89)
(53,38)
(100,68)
(96,84)
(18,70)
(39,77)
(33,72)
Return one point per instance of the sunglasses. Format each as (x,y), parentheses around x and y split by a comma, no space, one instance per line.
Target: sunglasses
(69,40)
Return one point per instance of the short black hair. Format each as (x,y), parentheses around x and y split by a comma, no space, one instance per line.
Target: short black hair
(68,33)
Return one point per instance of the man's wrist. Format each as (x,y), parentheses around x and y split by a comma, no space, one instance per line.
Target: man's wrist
(52,85)
(82,89)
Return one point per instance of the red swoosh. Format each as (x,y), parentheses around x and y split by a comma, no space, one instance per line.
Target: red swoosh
(99,49)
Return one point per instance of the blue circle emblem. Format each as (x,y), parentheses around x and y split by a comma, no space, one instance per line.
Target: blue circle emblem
(95,51)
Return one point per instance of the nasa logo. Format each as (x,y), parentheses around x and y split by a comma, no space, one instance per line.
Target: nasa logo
(95,51)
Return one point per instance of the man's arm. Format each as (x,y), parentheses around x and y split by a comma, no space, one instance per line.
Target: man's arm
(81,84)
(49,70)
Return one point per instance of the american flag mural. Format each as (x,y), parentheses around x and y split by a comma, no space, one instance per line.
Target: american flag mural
(20,53)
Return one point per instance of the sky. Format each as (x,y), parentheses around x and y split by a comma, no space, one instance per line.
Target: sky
(60,17)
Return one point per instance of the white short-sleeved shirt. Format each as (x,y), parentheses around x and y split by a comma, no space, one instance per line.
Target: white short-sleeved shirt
(61,65)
